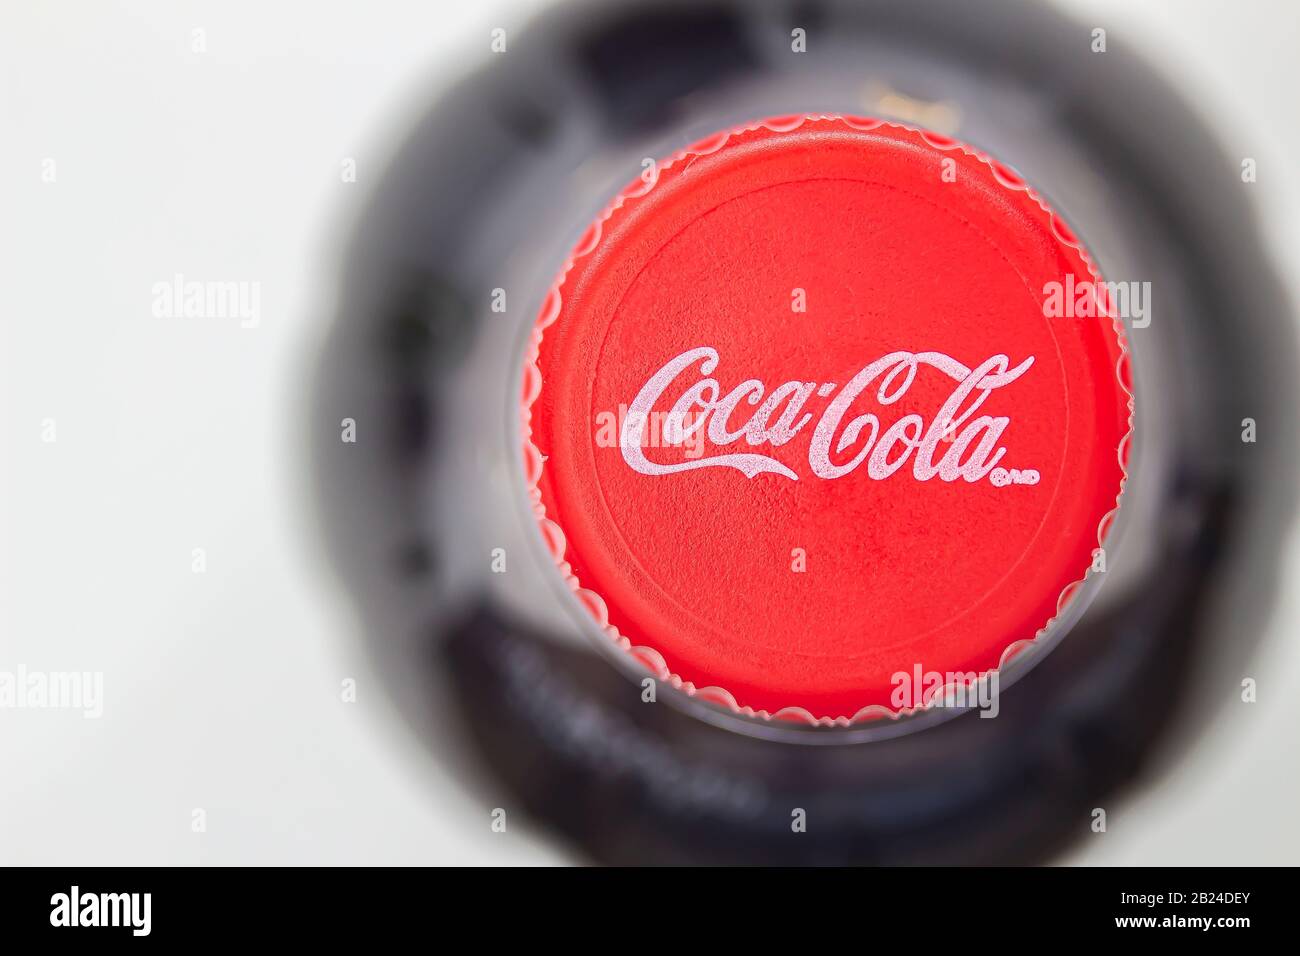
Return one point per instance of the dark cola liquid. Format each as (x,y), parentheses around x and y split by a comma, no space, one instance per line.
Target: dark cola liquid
(485,651)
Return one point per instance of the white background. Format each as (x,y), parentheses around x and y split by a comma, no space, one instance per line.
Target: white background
(222,689)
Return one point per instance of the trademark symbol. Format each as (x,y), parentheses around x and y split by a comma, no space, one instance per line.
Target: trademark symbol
(1002,477)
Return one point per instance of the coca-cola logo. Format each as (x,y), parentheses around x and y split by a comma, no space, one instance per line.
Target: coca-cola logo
(955,443)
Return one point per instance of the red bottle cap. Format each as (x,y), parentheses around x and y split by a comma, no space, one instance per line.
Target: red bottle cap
(824,402)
